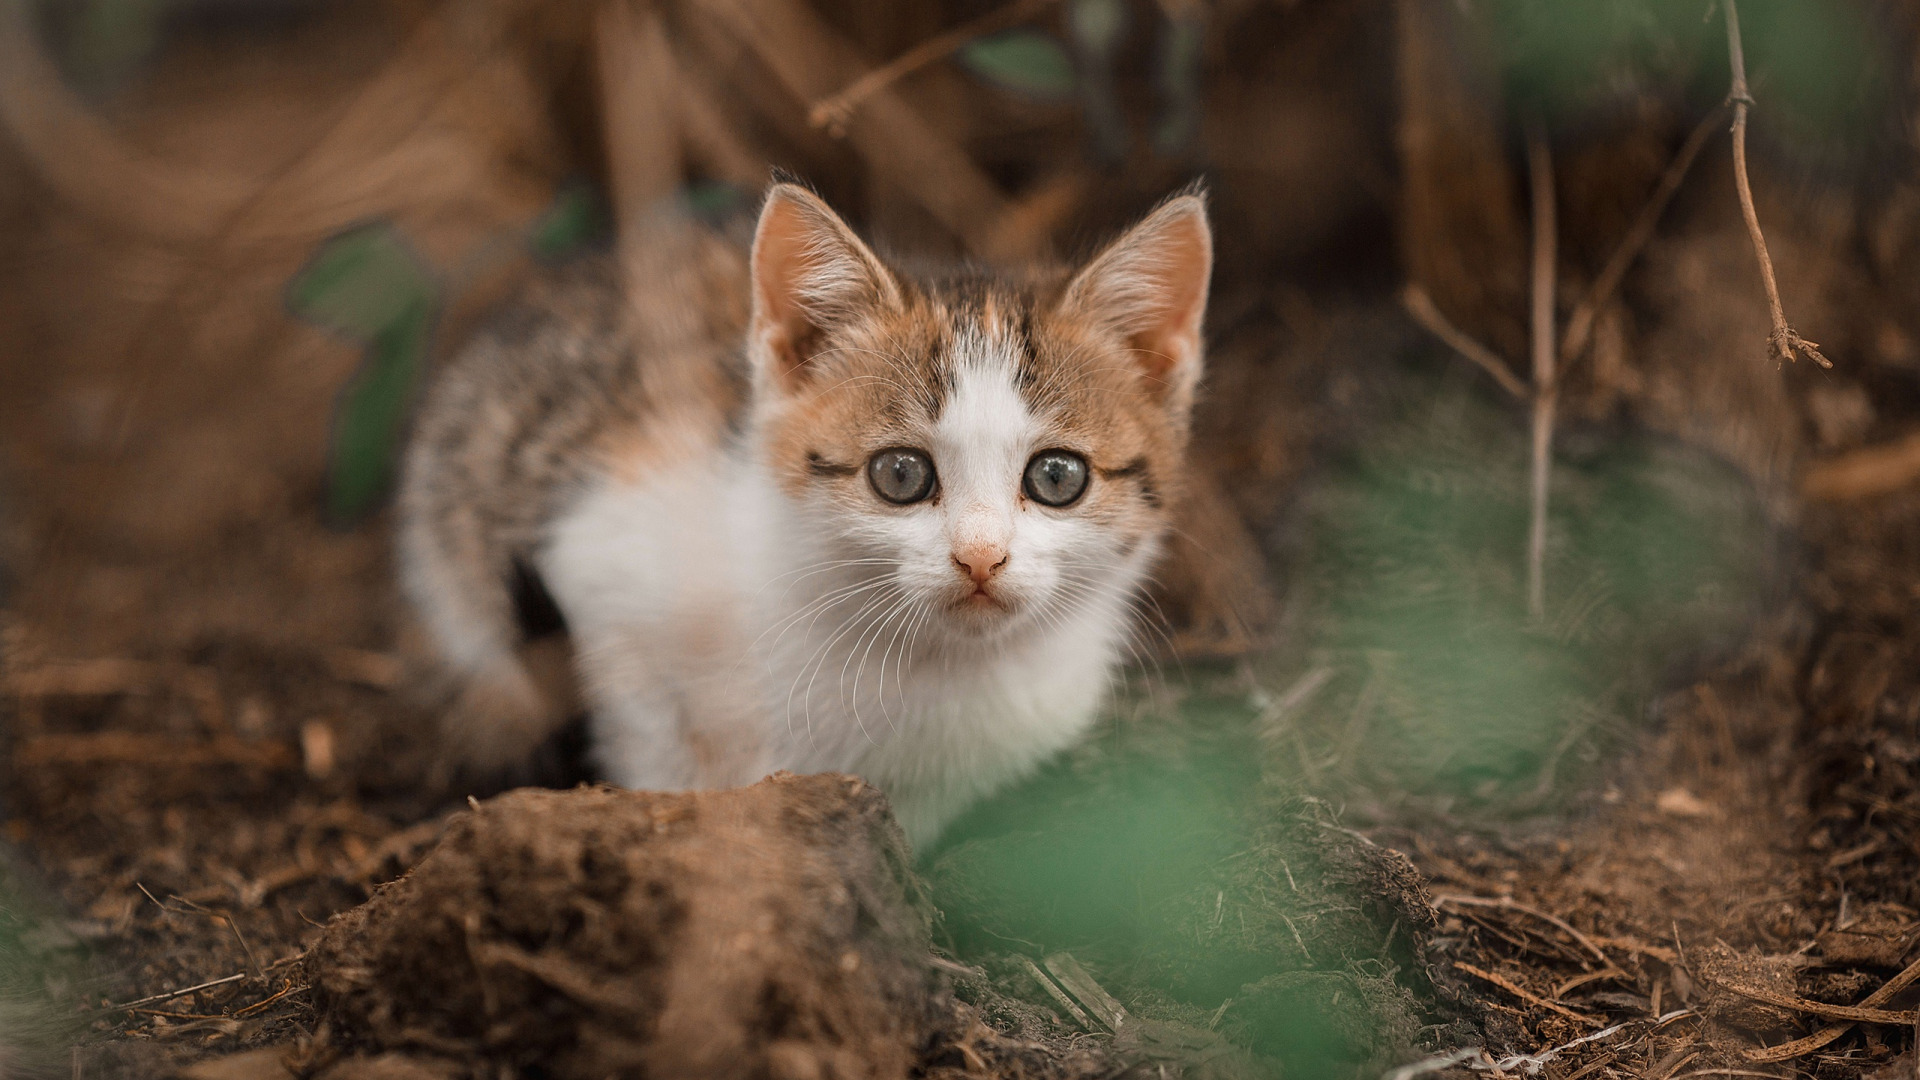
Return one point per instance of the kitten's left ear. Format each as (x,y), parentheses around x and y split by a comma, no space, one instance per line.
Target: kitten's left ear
(809,273)
(1151,286)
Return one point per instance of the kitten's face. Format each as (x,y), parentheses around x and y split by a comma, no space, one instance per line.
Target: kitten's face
(1000,450)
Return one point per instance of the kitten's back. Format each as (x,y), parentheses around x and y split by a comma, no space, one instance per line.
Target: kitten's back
(596,368)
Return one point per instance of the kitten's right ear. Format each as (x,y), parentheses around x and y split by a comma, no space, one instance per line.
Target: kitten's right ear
(1151,285)
(810,273)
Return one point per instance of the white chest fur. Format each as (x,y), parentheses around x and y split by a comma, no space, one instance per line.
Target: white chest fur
(719,639)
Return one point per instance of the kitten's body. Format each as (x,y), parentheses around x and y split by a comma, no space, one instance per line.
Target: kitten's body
(740,597)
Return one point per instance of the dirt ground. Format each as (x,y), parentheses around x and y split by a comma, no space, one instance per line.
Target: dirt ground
(210,743)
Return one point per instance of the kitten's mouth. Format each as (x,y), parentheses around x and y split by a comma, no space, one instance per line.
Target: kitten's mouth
(983,601)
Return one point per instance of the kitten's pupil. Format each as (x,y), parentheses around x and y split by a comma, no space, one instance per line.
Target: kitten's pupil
(901,475)
(1056,477)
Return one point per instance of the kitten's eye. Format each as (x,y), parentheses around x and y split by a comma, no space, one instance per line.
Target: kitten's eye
(1056,477)
(901,476)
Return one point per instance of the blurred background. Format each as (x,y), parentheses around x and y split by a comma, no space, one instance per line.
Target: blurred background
(1514,543)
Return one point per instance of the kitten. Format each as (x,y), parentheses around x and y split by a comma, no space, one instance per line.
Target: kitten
(812,512)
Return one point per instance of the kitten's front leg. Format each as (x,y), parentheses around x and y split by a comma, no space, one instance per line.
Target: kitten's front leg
(661,721)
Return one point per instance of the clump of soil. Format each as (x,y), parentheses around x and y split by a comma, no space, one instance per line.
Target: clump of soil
(768,931)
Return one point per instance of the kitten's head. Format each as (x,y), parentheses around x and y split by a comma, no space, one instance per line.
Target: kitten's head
(1002,448)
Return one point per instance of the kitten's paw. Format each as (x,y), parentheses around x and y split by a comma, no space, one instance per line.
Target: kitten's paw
(495,727)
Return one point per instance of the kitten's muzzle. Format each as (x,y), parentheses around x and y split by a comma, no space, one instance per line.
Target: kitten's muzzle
(980,563)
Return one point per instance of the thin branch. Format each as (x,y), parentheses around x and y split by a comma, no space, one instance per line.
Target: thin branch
(1801,1047)
(1783,341)
(638,98)
(1427,314)
(1507,903)
(805,56)
(832,113)
(1524,994)
(1857,1013)
(1580,323)
(171,994)
(1545,239)
(1863,473)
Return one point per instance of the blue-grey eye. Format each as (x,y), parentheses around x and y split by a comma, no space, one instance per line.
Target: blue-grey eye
(1056,477)
(901,475)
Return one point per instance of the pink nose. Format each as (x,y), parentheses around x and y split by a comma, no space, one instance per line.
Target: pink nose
(980,563)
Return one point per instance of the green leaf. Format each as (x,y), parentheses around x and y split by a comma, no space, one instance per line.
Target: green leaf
(1026,61)
(360,283)
(1180,54)
(713,200)
(576,218)
(367,285)
(370,417)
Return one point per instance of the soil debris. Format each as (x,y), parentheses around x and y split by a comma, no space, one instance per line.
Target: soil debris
(773,931)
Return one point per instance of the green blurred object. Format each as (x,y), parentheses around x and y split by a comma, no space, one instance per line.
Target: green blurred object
(576,219)
(39,964)
(360,283)
(368,286)
(1415,582)
(1025,61)
(104,43)
(1177,76)
(1192,892)
(1822,74)
(372,414)
(713,200)
(1184,854)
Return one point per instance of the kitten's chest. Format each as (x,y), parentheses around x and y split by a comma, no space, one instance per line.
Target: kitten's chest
(702,583)
(689,542)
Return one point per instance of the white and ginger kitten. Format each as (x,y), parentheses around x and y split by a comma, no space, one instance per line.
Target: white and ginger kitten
(811,512)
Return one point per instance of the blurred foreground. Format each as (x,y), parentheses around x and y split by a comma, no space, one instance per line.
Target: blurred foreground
(237,237)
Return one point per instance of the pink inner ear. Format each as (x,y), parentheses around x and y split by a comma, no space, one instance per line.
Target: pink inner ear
(809,271)
(1151,285)
(780,267)
(1182,262)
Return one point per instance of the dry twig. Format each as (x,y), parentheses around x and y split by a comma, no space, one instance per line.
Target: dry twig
(1801,1047)
(1874,470)
(1507,903)
(1782,341)
(397,845)
(1425,312)
(1545,387)
(222,917)
(156,751)
(1580,322)
(109,676)
(1640,948)
(832,113)
(1524,994)
(638,95)
(183,992)
(264,1002)
(1855,1013)
(802,54)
